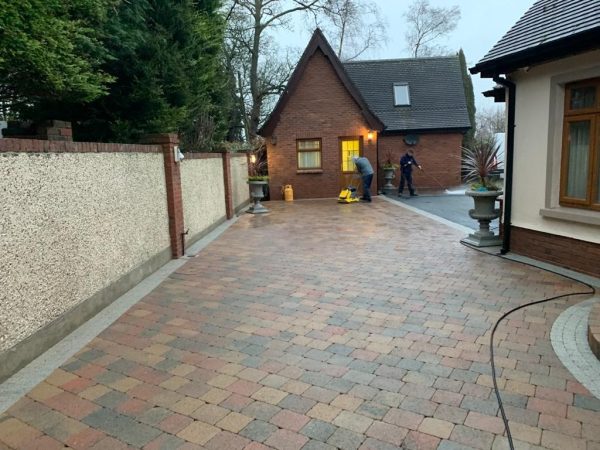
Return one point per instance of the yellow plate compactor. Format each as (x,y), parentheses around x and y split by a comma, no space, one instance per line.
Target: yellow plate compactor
(349,195)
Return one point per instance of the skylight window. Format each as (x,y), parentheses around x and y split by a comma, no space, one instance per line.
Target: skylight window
(401,94)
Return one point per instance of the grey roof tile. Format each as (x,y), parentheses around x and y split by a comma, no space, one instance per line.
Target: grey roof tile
(437,96)
(547,21)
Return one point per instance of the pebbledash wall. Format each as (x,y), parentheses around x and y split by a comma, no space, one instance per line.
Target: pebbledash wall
(82,223)
(203,191)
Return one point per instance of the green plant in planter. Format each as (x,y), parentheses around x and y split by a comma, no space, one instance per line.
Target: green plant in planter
(479,161)
(388,164)
(258,178)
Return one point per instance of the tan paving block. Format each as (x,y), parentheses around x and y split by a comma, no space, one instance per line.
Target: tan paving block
(436,427)
(44,391)
(215,395)
(94,392)
(157,349)
(379,348)
(198,433)
(60,377)
(222,381)
(324,412)
(162,338)
(353,422)
(140,313)
(520,388)
(295,387)
(125,384)
(525,433)
(251,374)
(187,405)
(269,395)
(231,369)
(174,383)
(347,402)
(210,413)
(182,370)
(234,422)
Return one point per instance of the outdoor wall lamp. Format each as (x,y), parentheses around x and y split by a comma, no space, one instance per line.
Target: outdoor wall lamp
(370,135)
(253,159)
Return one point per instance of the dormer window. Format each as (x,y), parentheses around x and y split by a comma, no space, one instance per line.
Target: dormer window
(401,94)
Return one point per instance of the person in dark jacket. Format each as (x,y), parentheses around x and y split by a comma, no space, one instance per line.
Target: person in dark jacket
(406,165)
(364,168)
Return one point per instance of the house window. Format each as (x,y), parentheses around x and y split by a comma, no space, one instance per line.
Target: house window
(309,153)
(401,94)
(580,168)
(350,148)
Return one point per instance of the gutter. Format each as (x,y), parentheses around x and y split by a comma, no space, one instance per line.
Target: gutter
(508,167)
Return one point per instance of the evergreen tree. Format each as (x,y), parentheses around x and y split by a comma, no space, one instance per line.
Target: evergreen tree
(470,97)
(165,58)
(51,50)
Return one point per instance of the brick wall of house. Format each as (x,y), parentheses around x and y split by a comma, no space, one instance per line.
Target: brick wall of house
(566,252)
(321,107)
(438,153)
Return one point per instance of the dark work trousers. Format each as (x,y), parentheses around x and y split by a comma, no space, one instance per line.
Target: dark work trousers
(367,179)
(406,177)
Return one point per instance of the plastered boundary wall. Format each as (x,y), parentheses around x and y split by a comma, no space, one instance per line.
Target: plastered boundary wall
(203,194)
(82,223)
(239,177)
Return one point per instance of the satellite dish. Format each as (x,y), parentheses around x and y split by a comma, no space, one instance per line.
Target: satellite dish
(411,139)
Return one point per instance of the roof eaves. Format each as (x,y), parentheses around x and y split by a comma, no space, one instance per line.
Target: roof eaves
(549,51)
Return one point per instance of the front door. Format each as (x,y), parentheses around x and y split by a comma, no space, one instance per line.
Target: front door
(349,148)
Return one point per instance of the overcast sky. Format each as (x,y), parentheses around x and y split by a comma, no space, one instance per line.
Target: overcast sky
(482,24)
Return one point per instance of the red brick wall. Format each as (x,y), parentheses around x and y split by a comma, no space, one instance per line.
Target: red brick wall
(566,252)
(321,107)
(439,154)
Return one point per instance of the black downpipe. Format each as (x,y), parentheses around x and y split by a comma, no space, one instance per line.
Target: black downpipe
(508,166)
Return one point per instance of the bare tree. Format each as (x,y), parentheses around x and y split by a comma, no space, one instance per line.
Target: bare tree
(353,26)
(490,120)
(259,71)
(427,25)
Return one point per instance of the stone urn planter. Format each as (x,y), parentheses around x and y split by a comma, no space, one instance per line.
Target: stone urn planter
(388,176)
(257,194)
(484,212)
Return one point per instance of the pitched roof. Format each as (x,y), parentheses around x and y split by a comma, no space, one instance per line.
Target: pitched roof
(550,29)
(318,42)
(437,95)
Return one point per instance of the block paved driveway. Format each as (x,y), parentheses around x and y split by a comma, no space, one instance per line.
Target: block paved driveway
(320,326)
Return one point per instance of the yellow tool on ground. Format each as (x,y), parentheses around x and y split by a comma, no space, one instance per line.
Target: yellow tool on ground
(349,194)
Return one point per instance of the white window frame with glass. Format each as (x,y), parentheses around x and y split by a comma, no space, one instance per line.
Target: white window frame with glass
(346,154)
(401,94)
(308,154)
(580,163)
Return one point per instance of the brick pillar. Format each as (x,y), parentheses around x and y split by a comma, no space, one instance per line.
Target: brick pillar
(55,130)
(174,197)
(228,184)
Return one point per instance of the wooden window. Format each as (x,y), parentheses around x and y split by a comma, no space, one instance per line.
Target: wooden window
(350,148)
(580,167)
(308,153)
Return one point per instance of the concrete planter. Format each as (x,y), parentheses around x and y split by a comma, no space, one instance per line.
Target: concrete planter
(388,176)
(257,194)
(484,212)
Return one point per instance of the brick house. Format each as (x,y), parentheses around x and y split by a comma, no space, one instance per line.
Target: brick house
(332,111)
(548,66)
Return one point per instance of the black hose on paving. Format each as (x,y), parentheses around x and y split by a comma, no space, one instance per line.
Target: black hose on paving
(592,291)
